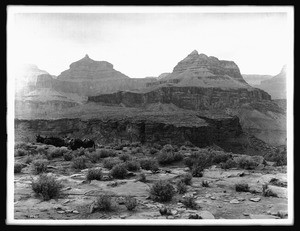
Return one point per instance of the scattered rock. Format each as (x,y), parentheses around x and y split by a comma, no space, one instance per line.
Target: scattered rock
(93,208)
(240,199)
(255,199)
(234,201)
(206,215)
(174,212)
(170,217)
(213,198)
(279,209)
(123,216)
(61,212)
(75,212)
(280,192)
(246,214)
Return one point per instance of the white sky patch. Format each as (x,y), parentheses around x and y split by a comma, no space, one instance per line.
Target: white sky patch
(148,44)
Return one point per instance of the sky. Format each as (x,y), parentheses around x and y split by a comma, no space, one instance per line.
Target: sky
(148,44)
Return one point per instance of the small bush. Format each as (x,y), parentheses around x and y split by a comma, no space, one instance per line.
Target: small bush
(133,165)
(246,162)
(21,152)
(40,166)
(79,162)
(106,153)
(55,152)
(124,157)
(18,168)
(119,171)
(229,164)
(153,151)
(242,187)
(130,203)
(162,191)
(47,186)
(68,156)
(189,202)
(110,162)
(187,178)
(220,157)
(168,148)
(149,164)
(94,174)
(142,178)
(165,158)
(157,146)
(189,162)
(28,159)
(42,149)
(181,187)
(104,202)
(79,152)
(197,171)
(22,145)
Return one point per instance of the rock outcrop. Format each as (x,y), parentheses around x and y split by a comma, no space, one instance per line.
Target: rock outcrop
(275,86)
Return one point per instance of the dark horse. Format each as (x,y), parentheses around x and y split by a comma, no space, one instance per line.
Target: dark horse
(55,141)
(78,143)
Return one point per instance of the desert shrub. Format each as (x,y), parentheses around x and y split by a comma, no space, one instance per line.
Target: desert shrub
(28,159)
(104,203)
(178,156)
(186,178)
(205,183)
(149,164)
(124,157)
(142,178)
(47,186)
(197,171)
(133,165)
(94,157)
(229,164)
(68,156)
(18,168)
(162,191)
(279,157)
(130,203)
(153,151)
(55,152)
(79,162)
(183,148)
(157,146)
(220,157)
(106,153)
(42,149)
(94,174)
(79,152)
(119,171)
(22,145)
(40,166)
(246,162)
(188,162)
(242,187)
(110,162)
(188,144)
(275,181)
(20,152)
(168,157)
(189,202)
(181,187)
(168,148)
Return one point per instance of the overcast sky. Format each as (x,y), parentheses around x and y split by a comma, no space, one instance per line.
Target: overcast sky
(148,44)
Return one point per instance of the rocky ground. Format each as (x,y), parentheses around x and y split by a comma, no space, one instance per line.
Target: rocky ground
(219,200)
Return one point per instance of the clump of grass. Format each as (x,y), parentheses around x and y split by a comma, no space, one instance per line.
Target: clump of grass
(197,171)
(181,187)
(68,156)
(21,152)
(119,171)
(79,162)
(104,202)
(220,157)
(47,186)
(94,174)
(205,183)
(242,187)
(104,153)
(40,166)
(110,162)
(189,202)
(133,165)
(130,203)
(42,149)
(18,168)
(28,159)
(55,152)
(162,191)
(247,162)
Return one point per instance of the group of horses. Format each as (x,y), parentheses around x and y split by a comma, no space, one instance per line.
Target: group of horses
(66,141)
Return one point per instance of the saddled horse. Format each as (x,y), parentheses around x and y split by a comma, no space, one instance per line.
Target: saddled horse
(78,143)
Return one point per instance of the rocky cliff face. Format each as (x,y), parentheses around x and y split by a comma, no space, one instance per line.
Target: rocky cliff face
(224,132)
(194,98)
(275,86)
(255,80)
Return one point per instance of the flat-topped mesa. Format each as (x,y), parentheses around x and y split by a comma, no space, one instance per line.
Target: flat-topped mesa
(211,68)
(89,69)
